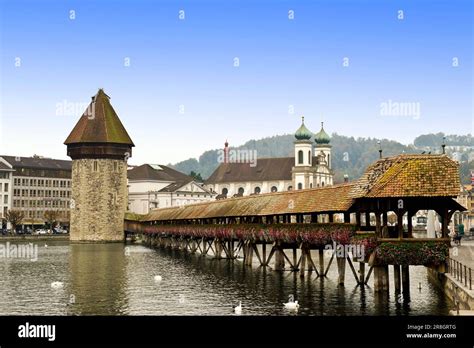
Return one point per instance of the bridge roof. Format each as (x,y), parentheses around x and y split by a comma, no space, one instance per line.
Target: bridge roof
(326,199)
(419,176)
(409,176)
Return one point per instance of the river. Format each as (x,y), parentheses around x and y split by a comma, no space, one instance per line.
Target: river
(118,279)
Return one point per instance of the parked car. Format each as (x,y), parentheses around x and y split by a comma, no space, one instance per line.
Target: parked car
(41,231)
(471,231)
(58,230)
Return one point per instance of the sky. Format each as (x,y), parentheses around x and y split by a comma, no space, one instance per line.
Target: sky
(184,76)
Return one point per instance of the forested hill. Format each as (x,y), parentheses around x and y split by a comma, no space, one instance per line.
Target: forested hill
(351,156)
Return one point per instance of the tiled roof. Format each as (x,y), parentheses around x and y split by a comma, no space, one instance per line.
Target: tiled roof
(267,169)
(409,176)
(38,163)
(325,199)
(159,173)
(99,124)
(3,166)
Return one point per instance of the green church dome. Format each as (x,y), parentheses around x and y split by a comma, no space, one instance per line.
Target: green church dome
(303,133)
(322,137)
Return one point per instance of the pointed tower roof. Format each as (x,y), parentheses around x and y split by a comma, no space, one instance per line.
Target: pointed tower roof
(303,133)
(99,124)
(322,137)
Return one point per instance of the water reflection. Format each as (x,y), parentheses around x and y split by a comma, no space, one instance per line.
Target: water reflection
(97,279)
(105,279)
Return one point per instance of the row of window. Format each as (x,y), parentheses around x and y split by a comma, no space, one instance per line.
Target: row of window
(5,187)
(5,199)
(40,204)
(41,193)
(4,175)
(42,182)
(40,214)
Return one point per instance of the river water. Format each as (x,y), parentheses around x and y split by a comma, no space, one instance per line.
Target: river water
(115,279)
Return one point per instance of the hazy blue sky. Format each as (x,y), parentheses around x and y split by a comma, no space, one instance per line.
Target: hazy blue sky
(49,59)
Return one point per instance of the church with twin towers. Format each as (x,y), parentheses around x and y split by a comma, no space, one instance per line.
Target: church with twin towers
(309,167)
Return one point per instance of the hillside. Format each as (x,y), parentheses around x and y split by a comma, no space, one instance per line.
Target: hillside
(350,156)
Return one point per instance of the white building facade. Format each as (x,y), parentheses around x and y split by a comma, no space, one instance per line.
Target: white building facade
(6,191)
(152,186)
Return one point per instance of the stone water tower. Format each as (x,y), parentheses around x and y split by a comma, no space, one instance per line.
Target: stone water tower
(99,147)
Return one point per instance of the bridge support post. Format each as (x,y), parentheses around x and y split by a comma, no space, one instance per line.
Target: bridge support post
(406,279)
(248,253)
(279,258)
(381,282)
(303,262)
(321,262)
(341,269)
(362,273)
(218,248)
(396,278)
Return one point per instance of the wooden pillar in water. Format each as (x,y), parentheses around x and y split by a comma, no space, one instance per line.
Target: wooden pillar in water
(321,262)
(303,262)
(341,269)
(396,278)
(218,248)
(279,259)
(406,279)
(362,273)
(249,254)
(381,282)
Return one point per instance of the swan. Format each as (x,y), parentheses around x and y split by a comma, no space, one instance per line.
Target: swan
(57,285)
(238,309)
(292,305)
(158,278)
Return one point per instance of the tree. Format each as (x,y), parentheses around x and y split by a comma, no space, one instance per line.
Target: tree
(196,176)
(14,217)
(51,216)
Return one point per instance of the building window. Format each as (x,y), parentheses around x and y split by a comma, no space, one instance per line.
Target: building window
(300,157)
(309,157)
(290,188)
(274,189)
(300,186)
(5,199)
(95,166)
(225,191)
(257,190)
(322,184)
(241,191)
(6,187)
(115,167)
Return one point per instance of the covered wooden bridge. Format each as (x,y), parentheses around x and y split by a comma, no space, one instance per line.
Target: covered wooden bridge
(351,219)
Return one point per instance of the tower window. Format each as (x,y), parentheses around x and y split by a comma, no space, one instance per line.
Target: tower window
(96,166)
(300,157)
(309,157)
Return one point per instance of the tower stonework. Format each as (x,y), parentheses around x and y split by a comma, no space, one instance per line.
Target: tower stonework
(99,147)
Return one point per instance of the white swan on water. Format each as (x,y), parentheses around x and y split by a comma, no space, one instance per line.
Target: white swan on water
(238,309)
(292,305)
(57,285)
(158,278)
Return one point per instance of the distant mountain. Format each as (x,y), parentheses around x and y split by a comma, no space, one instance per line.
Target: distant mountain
(350,156)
